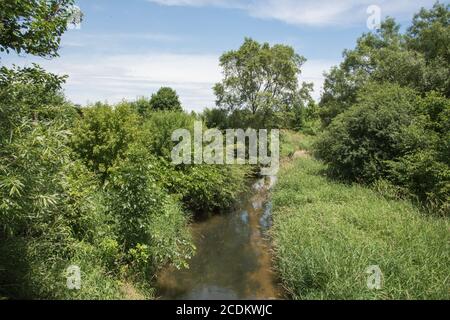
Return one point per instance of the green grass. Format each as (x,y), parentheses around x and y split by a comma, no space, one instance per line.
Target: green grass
(294,141)
(327,234)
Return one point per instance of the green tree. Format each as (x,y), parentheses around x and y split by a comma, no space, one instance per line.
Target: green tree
(258,76)
(430,32)
(418,59)
(392,133)
(166,99)
(34,26)
(103,134)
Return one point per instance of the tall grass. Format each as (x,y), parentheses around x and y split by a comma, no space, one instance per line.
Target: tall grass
(327,234)
(293,141)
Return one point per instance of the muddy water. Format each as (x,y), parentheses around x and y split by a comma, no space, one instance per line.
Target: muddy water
(233,259)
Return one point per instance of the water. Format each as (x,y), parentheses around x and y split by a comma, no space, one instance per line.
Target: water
(233,259)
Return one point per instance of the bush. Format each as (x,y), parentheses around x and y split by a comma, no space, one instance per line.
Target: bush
(50,218)
(202,188)
(150,225)
(212,189)
(103,134)
(380,127)
(392,133)
(158,128)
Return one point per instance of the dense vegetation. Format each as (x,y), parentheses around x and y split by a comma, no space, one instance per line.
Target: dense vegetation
(386,109)
(327,234)
(260,89)
(381,195)
(92,186)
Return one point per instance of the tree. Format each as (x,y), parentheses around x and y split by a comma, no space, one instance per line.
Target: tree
(34,26)
(104,134)
(418,59)
(386,109)
(258,76)
(166,99)
(430,32)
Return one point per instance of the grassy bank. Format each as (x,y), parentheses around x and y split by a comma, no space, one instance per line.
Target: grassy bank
(327,234)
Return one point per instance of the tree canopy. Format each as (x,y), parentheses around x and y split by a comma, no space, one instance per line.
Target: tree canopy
(417,59)
(258,76)
(166,99)
(386,110)
(34,26)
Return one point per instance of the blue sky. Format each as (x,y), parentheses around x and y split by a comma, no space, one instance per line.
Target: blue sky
(126,49)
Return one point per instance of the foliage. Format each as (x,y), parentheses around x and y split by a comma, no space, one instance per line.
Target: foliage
(34,26)
(166,99)
(102,134)
(149,222)
(372,131)
(49,217)
(158,128)
(417,59)
(327,234)
(142,106)
(385,109)
(202,188)
(210,188)
(31,94)
(301,114)
(259,78)
(389,134)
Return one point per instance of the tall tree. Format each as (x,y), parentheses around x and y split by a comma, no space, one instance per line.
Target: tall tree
(258,76)
(418,59)
(166,99)
(430,32)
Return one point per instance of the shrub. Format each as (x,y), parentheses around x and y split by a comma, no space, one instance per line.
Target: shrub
(392,133)
(50,218)
(150,225)
(158,128)
(380,127)
(103,134)
(202,188)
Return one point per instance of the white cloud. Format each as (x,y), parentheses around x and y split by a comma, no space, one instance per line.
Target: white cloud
(311,12)
(241,4)
(117,77)
(128,76)
(75,39)
(313,70)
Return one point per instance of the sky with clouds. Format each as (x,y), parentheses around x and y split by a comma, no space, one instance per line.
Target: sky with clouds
(127,49)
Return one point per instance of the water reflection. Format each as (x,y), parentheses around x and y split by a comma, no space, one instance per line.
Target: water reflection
(266,218)
(233,258)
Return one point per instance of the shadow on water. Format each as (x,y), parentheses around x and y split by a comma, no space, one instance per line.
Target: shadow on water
(233,259)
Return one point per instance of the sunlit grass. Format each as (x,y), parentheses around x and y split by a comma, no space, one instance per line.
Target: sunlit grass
(327,234)
(293,141)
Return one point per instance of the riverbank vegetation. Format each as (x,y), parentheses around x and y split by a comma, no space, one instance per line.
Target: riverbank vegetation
(386,110)
(375,187)
(327,233)
(95,188)
(92,187)
(366,181)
